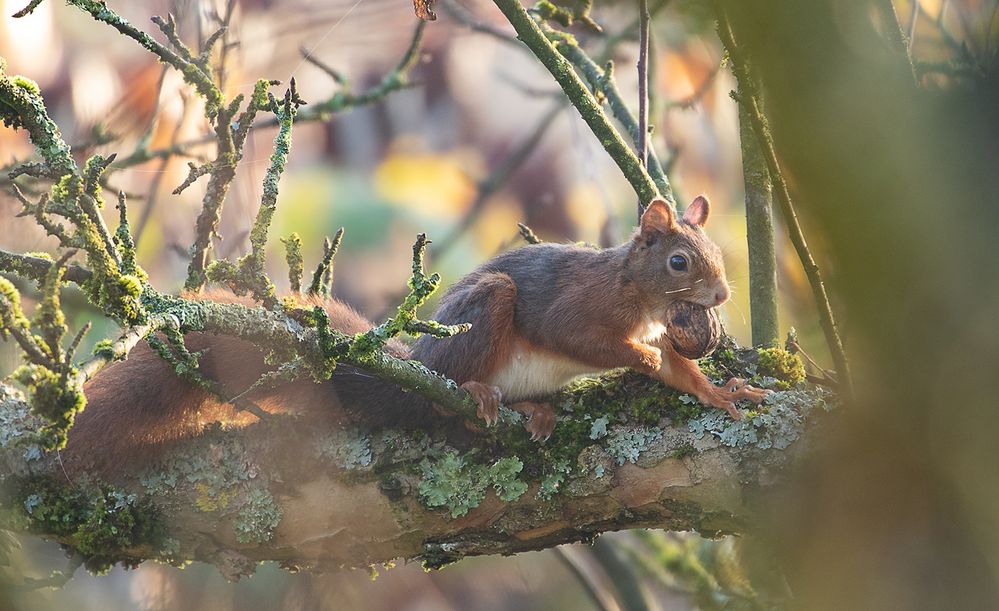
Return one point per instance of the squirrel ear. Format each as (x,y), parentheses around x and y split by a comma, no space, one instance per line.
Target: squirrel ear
(658,216)
(698,211)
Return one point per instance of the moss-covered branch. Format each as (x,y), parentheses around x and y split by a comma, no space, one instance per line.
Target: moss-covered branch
(627,452)
(602,80)
(36,266)
(531,34)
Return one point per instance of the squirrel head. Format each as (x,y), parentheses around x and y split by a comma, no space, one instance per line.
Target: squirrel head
(673,259)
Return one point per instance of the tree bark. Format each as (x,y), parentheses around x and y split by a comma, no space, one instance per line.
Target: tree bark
(759,237)
(309,497)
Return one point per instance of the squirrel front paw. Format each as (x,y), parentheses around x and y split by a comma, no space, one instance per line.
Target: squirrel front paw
(487,399)
(650,358)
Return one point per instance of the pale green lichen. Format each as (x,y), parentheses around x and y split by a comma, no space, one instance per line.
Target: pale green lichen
(215,473)
(217,462)
(257,518)
(452,483)
(599,428)
(551,483)
(626,444)
(503,476)
(456,482)
(777,424)
(348,449)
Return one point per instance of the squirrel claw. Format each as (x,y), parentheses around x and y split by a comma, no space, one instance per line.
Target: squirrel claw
(734,390)
(487,399)
(540,419)
(737,389)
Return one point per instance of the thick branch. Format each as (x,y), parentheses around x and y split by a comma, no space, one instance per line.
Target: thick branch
(376,496)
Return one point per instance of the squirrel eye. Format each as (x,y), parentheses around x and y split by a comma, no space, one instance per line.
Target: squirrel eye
(678,263)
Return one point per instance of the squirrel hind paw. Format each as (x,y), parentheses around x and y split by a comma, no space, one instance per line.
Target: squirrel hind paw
(540,419)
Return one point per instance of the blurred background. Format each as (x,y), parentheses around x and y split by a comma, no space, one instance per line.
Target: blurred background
(483,140)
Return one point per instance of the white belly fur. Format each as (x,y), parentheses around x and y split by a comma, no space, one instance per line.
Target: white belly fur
(534,374)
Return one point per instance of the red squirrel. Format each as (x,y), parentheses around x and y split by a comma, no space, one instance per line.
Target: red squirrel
(544,314)
(541,315)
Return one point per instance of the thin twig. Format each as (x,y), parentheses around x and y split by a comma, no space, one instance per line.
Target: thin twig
(642,138)
(601,597)
(602,80)
(536,39)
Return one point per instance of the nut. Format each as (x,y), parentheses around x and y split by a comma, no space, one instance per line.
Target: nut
(694,330)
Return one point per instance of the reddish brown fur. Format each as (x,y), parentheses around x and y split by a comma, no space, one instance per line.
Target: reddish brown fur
(486,300)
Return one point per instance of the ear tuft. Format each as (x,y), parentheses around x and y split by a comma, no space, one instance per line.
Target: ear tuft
(658,217)
(698,211)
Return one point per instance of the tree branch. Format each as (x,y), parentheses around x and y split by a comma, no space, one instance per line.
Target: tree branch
(375,496)
(531,34)
(759,236)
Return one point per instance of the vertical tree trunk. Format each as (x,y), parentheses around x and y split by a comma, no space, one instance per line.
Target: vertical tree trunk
(760,236)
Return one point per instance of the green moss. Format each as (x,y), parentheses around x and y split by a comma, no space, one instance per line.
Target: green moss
(296,263)
(105,348)
(54,397)
(27,84)
(782,365)
(683,451)
(11,315)
(103,525)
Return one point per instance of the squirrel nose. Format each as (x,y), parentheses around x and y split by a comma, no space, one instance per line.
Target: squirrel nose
(721,296)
